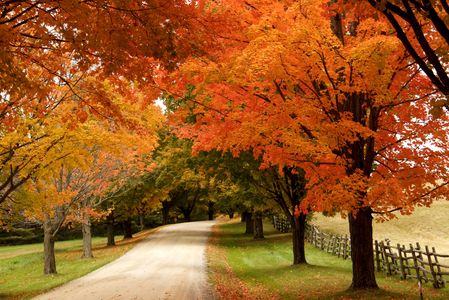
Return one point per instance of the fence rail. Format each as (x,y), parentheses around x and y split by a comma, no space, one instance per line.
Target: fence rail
(281,223)
(413,261)
(334,244)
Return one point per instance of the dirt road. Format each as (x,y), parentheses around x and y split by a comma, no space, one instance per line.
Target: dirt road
(169,264)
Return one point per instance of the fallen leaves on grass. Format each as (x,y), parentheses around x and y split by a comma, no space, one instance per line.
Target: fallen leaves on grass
(227,285)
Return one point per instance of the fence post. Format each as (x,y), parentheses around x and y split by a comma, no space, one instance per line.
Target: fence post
(415,262)
(329,242)
(409,270)
(386,261)
(345,247)
(340,243)
(334,249)
(313,235)
(322,240)
(421,261)
(441,282)
(394,262)
(401,262)
(377,255)
(431,267)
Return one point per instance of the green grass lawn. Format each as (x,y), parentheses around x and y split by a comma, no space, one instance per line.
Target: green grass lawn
(243,268)
(21,267)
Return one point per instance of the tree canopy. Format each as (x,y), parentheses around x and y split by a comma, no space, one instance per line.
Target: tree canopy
(309,85)
(339,103)
(422,28)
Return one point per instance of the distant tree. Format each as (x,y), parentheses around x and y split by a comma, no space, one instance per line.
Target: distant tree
(132,201)
(268,186)
(179,177)
(89,159)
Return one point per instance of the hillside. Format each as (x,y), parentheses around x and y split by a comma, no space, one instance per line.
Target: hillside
(427,225)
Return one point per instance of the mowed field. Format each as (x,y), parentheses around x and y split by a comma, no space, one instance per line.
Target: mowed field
(427,225)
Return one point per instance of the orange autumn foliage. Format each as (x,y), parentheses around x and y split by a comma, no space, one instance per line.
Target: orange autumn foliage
(423,28)
(93,161)
(351,110)
(79,52)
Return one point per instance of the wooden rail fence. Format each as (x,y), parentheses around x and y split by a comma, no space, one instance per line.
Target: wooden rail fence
(414,261)
(281,223)
(331,243)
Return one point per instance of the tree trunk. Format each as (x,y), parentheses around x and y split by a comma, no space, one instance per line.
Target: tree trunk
(110,234)
(165,212)
(361,231)
(258,226)
(141,222)
(87,240)
(127,229)
(249,223)
(210,210)
(298,235)
(231,215)
(244,216)
(49,251)
(187,216)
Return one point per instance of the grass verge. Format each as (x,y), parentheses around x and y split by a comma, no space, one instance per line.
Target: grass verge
(21,267)
(244,268)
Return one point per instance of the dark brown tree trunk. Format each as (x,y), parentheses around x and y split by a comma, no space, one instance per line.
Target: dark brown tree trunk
(298,234)
(362,154)
(165,212)
(110,234)
(249,223)
(231,215)
(87,240)
(210,210)
(361,231)
(141,222)
(243,216)
(187,208)
(49,251)
(127,229)
(187,216)
(258,226)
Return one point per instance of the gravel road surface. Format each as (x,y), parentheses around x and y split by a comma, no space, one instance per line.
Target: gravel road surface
(169,264)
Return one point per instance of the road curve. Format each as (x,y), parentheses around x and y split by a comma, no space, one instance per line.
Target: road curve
(169,264)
